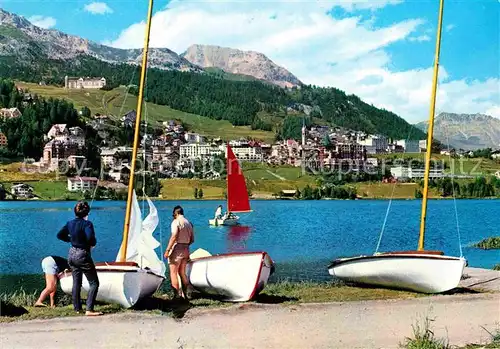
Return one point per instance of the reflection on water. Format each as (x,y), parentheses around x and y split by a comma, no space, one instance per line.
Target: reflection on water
(237,236)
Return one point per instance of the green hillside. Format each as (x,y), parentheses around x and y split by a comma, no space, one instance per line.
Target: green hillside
(218,96)
(117,102)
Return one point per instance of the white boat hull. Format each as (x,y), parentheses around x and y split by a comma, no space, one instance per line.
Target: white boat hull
(420,272)
(230,221)
(237,277)
(124,285)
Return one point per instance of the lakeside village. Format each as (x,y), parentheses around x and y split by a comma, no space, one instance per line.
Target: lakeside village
(172,151)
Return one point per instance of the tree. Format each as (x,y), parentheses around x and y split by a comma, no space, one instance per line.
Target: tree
(327,143)
(3,193)
(87,195)
(307,193)
(85,112)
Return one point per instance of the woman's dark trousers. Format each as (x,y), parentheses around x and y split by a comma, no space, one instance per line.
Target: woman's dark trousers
(81,263)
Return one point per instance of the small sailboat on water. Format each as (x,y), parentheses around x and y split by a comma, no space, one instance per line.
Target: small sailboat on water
(137,271)
(237,193)
(421,270)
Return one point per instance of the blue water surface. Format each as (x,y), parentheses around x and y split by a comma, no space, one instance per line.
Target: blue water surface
(300,236)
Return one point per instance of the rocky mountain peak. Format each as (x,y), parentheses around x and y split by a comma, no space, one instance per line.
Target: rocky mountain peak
(466,131)
(241,62)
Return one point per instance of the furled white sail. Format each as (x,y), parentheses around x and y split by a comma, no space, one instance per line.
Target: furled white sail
(141,243)
(134,231)
(147,243)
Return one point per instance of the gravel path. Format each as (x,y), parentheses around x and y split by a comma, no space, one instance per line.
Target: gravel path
(368,324)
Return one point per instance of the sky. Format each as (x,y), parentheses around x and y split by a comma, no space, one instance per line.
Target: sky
(380,50)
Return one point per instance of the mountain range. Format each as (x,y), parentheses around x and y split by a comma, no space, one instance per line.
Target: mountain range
(20,37)
(187,83)
(465,131)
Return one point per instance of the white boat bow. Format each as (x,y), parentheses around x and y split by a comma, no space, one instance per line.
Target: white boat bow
(237,277)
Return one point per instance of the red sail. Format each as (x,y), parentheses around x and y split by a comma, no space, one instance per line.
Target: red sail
(237,195)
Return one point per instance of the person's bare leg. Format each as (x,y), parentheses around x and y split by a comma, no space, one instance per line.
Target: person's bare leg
(50,287)
(182,272)
(53,299)
(186,285)
(174,272)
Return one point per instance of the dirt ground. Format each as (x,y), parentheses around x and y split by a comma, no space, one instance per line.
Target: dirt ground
(367,324)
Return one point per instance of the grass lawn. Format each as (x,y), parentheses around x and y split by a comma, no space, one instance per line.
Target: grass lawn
(274,293)
(14,172)
(117,102)
(384,190)
(49,189)
(54,190)
(182,189)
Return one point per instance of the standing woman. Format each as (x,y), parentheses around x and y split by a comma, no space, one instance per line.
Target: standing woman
(178,252)
(80,233)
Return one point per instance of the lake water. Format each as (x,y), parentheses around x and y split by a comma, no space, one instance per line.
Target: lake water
(301,236)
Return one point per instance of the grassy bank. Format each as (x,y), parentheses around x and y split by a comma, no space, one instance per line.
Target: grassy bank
(20,301)
(489,243)
(183,189)
(388,190)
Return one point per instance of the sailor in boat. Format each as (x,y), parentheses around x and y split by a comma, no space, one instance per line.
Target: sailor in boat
(229,215)
(51,266)
(80,233)
(177,252)
(218,212)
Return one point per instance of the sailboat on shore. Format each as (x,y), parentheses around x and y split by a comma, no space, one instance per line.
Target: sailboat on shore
(420,270)
(237,193)
(137,271)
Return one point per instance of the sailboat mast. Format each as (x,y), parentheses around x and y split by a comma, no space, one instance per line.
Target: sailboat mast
(431,129)
(136,135)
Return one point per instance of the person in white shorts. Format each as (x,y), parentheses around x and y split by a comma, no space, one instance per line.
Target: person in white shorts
(52,266)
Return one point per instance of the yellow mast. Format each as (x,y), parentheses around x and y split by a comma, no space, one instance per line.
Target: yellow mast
(123,248)
(430,130)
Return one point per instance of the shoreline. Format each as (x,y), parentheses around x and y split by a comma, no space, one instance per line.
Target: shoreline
(259,199)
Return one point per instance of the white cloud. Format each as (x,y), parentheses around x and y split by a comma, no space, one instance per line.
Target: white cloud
(98,8)
(494,111)
(348,53)
(449,27)
(42,21)
(420,38)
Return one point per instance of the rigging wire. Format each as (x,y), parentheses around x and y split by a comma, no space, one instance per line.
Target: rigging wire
(105,107)
(146,118)
(454,196)
(390,202)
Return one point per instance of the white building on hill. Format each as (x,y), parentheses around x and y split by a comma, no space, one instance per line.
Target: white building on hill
(404,172)
(87,82)
(82,183)
(374,144)
(198,151)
